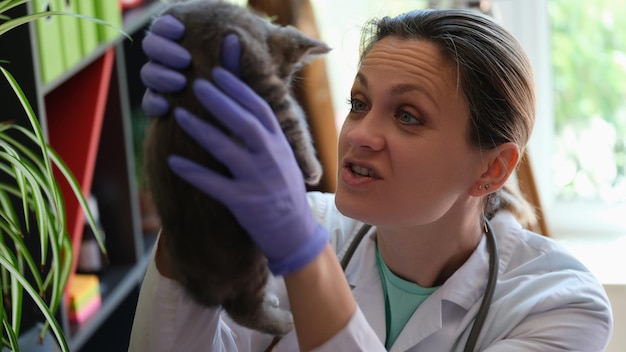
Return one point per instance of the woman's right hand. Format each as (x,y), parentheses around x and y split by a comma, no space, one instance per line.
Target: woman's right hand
(160,74)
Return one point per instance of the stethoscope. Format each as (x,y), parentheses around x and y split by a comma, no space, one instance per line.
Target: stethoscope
(492,247)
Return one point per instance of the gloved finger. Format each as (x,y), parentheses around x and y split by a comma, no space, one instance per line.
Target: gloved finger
(206,180)
(166,51)
(168,26)
(214,141)
(231,53)
(154,104)
(246,97)
(231,114)
(161,79)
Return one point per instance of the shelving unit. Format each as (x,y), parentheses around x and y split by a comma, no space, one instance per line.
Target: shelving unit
(86,113)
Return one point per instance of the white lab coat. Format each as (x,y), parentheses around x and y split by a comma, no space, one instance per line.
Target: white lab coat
(545,300)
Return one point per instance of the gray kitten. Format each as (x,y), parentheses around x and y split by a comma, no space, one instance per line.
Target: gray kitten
(213,257)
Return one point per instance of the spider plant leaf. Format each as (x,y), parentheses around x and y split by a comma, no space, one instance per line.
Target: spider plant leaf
(28,110)
(6,5)
(46,171)
(40,141)
(48,152)
(9,142)
(60,164)
(12,341)
(66,246)
(16,297)
(13,232)
(57,283)
(6,204)
(67,174)
(13,23)
(39,201)
(49,186)
(18,176)
(48,314)
(16,292)
(6,287)
(5,126)
(16,22)
(40,182)
(21,247)
(23,186)
(54,192)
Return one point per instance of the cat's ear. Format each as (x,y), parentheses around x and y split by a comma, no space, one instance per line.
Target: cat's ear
(291,48)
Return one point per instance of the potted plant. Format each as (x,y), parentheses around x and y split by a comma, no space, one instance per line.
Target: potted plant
(31,205)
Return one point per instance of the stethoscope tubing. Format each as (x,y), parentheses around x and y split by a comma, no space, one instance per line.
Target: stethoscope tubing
(494,261)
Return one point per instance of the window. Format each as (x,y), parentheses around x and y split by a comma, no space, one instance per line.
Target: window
(578,145)
(588,59)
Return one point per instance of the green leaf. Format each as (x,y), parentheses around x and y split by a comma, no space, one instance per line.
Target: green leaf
(13,23)
(67,174)
(6,5)
(32,182)
(12,336)
(41,305)
(34,190)
(21,247)
(58,161)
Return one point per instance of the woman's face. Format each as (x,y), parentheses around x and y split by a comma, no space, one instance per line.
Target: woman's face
(404,156)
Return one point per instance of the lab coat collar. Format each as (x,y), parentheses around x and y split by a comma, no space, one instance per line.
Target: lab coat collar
(467,285)
(363,278)
(464,288)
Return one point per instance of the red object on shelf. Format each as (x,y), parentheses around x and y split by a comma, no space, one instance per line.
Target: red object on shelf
(127,4)
(75,111)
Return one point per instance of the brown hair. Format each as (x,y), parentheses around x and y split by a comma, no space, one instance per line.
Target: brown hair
(494,75)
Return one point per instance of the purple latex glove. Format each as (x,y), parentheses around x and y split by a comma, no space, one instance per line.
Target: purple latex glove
(266,192)
(167,56)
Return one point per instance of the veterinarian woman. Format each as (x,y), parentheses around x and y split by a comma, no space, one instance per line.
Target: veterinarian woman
(442,107)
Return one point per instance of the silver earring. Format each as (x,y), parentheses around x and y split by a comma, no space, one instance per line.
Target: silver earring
(487,186)
(480,187)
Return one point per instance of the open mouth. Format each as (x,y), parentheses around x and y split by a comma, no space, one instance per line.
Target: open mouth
(361,171)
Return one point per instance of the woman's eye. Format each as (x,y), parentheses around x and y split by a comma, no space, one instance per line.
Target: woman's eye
(406,118)
(357,105)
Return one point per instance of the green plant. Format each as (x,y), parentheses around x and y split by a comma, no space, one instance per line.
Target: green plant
(31,204)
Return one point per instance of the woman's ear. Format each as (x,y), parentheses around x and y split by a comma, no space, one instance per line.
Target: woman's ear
(501,163)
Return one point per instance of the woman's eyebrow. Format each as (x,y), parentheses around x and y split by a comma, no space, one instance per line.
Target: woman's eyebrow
(362,79)
(402,88)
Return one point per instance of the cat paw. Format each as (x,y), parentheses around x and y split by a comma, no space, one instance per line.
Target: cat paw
(271,300)
(276,321)
(313,175)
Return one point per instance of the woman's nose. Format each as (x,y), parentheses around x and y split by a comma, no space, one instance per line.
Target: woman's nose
(365,133)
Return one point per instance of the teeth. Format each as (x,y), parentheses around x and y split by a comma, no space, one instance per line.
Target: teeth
(361,171)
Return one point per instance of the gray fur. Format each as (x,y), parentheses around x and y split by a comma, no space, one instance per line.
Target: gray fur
(213,257)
